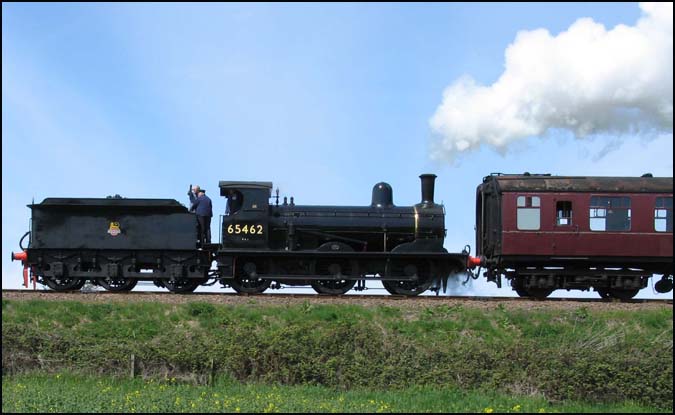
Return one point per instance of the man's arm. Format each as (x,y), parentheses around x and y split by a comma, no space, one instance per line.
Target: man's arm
(192,195)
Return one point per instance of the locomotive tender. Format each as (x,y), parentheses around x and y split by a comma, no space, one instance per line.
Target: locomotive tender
(540,232)
(113,242)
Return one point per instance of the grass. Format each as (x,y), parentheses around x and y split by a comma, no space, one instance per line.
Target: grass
(584,355)
(72,393)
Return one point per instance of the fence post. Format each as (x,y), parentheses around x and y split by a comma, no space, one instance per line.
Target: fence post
(133,366)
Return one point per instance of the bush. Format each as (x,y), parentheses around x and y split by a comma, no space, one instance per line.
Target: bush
(581,355)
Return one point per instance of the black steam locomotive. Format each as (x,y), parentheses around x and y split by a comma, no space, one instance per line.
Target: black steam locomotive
(116,242)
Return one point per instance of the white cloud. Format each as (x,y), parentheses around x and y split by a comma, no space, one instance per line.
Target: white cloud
(587,80)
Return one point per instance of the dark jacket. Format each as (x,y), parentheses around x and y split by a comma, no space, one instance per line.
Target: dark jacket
(202,206)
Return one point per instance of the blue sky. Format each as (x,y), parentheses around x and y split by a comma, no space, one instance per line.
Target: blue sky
(324,100)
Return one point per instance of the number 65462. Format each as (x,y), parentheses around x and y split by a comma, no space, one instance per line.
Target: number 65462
(247,229)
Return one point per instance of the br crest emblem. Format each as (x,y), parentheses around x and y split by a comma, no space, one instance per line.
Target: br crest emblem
(114,229)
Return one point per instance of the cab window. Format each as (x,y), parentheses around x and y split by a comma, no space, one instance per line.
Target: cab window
(528,218)
(234,202)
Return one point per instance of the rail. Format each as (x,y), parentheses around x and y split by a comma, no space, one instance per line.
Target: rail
(392,298)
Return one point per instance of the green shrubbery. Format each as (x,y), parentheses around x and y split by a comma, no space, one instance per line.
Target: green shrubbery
(580,354)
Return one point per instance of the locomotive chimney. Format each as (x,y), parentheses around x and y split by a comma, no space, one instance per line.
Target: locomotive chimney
(428,188)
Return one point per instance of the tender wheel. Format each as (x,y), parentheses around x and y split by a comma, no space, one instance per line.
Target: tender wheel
(117,284)
(340,270)
(247,280)
(623,294)
(410,288)
(181,285)
(64,283)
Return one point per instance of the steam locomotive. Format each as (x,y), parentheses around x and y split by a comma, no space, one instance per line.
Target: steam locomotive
(540,232)
(117,242)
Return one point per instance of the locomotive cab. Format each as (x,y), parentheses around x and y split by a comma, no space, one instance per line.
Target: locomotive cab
(245,223)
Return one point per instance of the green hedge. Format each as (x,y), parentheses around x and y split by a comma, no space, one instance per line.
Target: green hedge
(595,356)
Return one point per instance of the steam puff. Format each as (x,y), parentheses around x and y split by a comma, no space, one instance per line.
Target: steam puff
(586,80)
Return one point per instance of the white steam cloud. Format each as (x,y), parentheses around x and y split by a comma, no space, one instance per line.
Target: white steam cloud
(586,80)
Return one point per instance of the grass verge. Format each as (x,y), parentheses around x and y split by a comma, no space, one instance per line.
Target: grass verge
(73,393)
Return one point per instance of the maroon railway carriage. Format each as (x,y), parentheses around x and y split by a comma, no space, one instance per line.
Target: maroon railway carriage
(546,232)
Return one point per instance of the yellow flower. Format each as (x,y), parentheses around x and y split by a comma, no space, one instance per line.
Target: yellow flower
(516,408)
(488,410)
(542,410)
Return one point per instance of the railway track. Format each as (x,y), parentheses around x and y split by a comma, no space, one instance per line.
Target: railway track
(17,293)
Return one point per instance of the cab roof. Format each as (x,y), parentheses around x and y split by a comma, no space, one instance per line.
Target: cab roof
(230,185)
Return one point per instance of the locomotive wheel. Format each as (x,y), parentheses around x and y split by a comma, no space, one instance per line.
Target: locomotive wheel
(249,285)
(333,287)
(64,284)
(624,294)
(117,284)
(247,280)
(410,288)
(339,269)
(181,285)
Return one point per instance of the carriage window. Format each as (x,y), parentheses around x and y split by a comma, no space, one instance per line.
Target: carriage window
(563,213)
(663,214)
(610,213)
(528,213)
